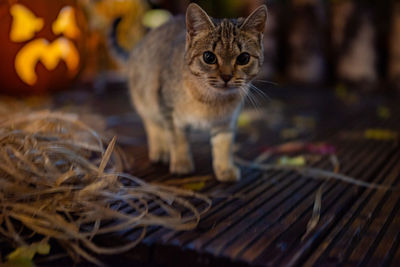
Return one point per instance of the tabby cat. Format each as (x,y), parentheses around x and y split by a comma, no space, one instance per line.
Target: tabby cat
(195,74)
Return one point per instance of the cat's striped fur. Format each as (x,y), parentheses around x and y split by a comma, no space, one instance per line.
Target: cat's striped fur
(174,89)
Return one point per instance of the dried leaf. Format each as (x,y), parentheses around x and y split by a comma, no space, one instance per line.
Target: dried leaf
(381,134)
(23,255)
(194,186)
(292,161)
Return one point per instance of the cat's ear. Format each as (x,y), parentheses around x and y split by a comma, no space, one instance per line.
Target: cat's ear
(197,20)
(255,22)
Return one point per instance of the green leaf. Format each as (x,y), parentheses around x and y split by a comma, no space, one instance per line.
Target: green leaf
(194,186)
(292,161)
(23,255)
(21,262)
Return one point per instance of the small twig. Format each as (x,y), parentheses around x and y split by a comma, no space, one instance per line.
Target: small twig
(312,172)
(312,223)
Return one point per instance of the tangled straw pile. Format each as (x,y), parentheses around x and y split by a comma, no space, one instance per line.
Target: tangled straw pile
(57,180)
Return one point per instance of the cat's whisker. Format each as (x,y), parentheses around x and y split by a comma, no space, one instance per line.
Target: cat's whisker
(267,82)
(241,93)
(256,102)
(260,92)
(259,96)
(251,98)
(252,102)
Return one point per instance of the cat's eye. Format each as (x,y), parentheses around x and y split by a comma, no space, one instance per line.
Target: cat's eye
(243,58)
(209,57)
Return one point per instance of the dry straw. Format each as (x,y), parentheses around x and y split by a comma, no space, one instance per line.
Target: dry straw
(58,181)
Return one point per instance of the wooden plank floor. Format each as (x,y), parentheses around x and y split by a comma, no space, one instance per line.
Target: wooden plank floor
(265,221)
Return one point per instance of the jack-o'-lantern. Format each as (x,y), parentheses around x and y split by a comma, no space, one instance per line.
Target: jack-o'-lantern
(41,44)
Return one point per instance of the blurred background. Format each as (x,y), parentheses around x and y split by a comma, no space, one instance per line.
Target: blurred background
(314,43)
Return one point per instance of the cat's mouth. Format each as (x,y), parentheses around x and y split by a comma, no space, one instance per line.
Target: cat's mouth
(222,89)
(226,88)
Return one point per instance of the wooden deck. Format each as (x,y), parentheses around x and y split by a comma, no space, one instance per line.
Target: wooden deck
(262,220)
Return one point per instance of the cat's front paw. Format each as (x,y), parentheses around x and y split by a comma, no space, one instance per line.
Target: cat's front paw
(181,166)
(227,174)
(159,156)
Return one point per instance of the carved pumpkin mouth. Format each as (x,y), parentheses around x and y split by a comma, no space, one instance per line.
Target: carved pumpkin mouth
(50,54)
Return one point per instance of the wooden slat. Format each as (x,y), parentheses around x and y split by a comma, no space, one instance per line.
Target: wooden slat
(340,196)
(260,221)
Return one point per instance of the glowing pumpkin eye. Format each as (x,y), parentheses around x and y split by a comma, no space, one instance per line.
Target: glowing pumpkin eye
(25,24)
(65,23)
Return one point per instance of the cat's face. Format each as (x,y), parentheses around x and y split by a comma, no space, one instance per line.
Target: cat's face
(224,55)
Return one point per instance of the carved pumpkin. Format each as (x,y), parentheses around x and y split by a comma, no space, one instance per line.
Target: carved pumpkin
(41,44)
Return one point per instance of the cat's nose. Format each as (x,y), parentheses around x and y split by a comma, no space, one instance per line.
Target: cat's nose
(226,77)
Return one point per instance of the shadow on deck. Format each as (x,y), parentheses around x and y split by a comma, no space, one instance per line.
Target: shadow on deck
(265,222)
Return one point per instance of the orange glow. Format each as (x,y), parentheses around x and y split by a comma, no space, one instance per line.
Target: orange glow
(25,24)
(66,24)
(50,54)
